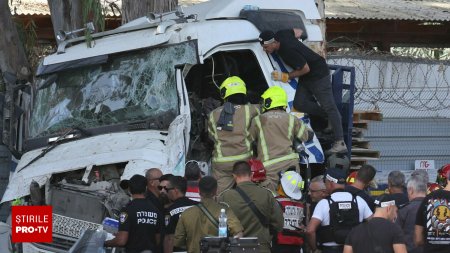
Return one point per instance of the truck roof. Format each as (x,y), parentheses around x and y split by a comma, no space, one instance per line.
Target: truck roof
(215,9)
(217,22)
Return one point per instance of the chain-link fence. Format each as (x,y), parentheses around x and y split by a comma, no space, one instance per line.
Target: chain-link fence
(421,84)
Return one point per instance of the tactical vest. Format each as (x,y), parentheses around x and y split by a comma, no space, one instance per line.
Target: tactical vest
(293,213)
(344,215)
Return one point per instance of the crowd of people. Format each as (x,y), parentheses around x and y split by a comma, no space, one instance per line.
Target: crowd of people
(337,214)
(171,213)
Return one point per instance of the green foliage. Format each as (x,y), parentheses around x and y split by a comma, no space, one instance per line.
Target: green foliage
(27,35)
(93,12)
(426,53)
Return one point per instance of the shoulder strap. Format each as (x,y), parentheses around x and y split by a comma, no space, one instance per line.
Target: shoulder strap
(330,200)
(208,214)
(252,206)
(354,199)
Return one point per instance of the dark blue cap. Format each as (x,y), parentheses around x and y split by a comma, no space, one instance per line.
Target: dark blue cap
(335,175)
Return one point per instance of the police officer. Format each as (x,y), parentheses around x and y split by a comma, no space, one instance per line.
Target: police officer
(228,128)
(290,240)
(274,131)
(176,191)
(153,175)
(140,221)
(195,223)
(334,216)
(254,206)
(360,182)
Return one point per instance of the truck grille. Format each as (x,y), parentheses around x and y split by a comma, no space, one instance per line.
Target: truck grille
(66,231)
(71,227)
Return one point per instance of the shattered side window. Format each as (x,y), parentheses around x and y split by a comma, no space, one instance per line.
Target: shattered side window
(129,87)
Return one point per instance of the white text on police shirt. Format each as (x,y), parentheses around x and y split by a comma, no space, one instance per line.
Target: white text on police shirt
(144,217)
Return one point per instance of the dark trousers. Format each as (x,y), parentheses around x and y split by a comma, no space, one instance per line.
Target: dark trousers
(281,248)
(311,92)
(333,249)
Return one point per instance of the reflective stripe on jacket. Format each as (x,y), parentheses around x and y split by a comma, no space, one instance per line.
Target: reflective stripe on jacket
(275,131)
(232,146)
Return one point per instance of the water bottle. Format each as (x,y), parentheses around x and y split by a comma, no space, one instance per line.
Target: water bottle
(222,223)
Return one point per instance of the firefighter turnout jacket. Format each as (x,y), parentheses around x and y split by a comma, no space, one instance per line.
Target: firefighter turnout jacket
(230,146)
(274,132)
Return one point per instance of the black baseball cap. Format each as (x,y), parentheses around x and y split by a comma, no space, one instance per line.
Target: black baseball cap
(335,175)
(266,37)
(137,180)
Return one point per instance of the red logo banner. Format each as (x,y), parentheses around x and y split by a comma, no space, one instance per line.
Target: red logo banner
(31,224)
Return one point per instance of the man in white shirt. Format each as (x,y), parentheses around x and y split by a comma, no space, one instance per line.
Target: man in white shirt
(347,211)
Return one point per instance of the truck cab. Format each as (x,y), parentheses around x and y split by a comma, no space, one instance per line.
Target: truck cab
(137,98)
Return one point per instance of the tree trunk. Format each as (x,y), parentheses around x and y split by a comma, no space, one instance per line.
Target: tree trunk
(12,52)
(323,27)
(67,15)
(132,9)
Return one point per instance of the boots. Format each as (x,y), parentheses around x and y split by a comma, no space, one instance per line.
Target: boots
(338,147)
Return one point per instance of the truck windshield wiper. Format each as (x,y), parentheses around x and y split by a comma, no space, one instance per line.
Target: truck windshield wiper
(58,140)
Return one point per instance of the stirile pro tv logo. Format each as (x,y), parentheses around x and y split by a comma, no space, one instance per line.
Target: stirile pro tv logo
(31,224)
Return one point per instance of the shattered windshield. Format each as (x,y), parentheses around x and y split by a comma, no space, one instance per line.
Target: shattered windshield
(129,87)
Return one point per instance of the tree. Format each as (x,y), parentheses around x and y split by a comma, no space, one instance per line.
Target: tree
(66,14)
(12,54)
(132,9)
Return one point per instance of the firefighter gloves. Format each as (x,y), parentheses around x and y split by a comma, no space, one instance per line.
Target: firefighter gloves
(280,76)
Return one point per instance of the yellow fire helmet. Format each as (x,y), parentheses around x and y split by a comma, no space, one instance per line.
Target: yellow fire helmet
(274,97)
(232,85)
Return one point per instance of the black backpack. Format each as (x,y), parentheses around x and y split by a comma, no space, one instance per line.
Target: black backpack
(344,215)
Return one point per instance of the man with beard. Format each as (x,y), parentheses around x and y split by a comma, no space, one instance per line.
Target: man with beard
(176,191)
(163,182)
(165,203)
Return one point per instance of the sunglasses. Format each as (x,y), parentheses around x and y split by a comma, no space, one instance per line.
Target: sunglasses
(165,188)
(312,191)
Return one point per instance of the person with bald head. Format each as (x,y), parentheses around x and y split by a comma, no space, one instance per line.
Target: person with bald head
(152,193)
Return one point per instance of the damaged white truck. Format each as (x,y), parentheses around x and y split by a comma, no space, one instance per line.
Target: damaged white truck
(137,99)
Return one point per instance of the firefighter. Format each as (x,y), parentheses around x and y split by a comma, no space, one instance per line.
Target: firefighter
(228,127)
(274,132)
(289,194)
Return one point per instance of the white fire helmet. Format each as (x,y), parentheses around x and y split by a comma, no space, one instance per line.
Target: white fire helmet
(292,184)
